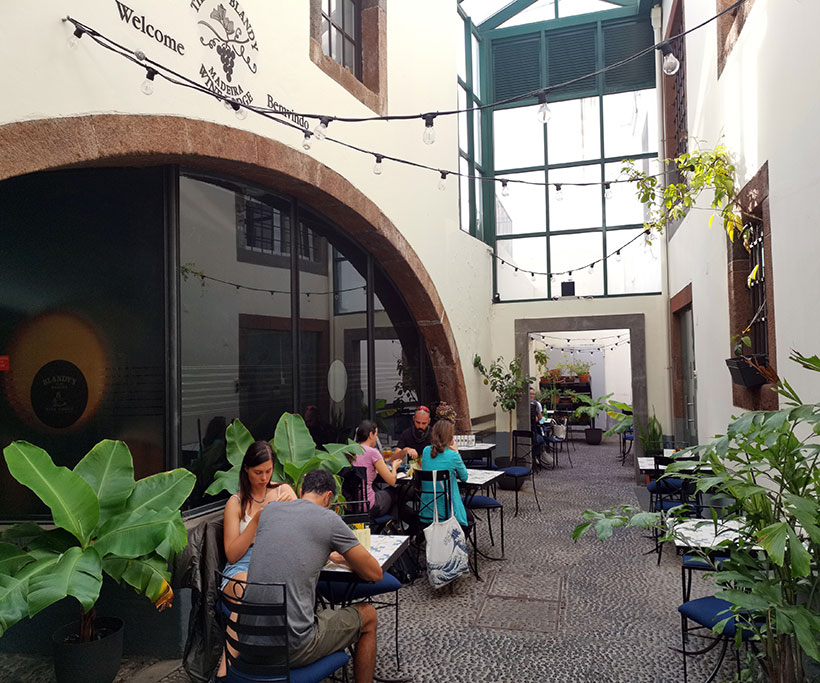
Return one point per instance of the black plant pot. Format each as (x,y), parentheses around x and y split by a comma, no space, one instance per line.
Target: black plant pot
(593,435)
(94,662)
(743,373)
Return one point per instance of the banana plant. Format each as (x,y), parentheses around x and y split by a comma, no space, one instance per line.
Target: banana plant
(105,522)
(295,454)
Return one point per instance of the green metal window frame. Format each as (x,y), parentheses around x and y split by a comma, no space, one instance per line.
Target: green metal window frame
(629,11)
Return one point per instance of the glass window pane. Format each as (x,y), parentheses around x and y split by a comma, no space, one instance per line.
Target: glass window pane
(350,56)
(461,51)
(463,137)
(574,131)
(573,252)
(624,208)
(350,18)
(477,136)
(575,207)
(479,205)
(476,70)
(336,12)
(480,10)
(526,253)
(541,10)
(524,210)
(571,8)
(630,123)
(639,268)
(336,44)
(464,195)
(517,138)
(325,37)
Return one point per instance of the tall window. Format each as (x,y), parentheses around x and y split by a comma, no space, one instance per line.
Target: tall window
(676,131)
(758,331)
(341,33)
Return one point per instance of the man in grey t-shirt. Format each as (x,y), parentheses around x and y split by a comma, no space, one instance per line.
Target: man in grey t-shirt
(293,542)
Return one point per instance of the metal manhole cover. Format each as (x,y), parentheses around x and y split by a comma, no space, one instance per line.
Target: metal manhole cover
(518,614)
(546,586)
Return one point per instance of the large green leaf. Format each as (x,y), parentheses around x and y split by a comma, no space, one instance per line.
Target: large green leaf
(52,541)
(140,532)
(339,453)
(12,557)
(163,490)
(72,501)
(228,481)
(109,470)
(237,441)
(292,441)
(147,575)
(22,534)
(13,606)
(800,558)
(77,573)
(773,539)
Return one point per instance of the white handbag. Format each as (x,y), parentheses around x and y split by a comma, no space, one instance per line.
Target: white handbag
(446,546)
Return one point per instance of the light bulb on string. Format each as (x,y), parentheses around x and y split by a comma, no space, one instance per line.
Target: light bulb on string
(559,195)
(618,256)
(239,110)
(147,86)
(321,129)
(591,268)
(607,191)
(377,167)
(74,38)
(429,135)
(306,141)
(442,183)
(505,191)
(544,112)
(670,64)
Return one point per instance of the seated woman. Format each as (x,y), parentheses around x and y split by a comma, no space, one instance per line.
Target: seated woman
(382,501)
(442,455)
(242,512)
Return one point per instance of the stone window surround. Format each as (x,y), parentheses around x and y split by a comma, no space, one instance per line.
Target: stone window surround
(677,304)
(634,322)
(729,27)
(372,89)
(753,199)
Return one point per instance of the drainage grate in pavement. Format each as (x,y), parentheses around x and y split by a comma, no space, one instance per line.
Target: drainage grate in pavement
(523,602)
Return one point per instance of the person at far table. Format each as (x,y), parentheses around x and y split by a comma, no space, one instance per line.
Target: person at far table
(438,456)
(539,410)
(293,543)
(415,439)
(382,501)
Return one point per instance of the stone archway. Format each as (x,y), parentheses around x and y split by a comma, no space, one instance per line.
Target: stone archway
(117,140)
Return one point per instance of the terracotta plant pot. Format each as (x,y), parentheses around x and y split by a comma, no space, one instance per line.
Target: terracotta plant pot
(555,375)
(584,378)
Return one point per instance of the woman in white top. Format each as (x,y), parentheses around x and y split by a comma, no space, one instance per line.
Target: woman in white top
(242,510)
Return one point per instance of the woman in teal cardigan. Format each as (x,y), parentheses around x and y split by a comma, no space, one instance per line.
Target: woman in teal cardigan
(442,455)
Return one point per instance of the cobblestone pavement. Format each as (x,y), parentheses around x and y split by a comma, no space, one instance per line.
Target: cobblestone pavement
(553,611)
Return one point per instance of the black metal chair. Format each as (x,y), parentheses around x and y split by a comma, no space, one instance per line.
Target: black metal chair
(522,450)
(256,637)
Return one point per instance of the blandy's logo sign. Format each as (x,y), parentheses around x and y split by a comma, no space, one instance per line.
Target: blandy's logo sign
(228,32)
(229,47)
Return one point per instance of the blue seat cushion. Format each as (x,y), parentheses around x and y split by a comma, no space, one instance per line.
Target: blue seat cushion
(312,673)
(384,519)
(340,590)
(518,471)
(665,485)
(628,436)
(483,503)
(667,505)
(698,562)
(709,611)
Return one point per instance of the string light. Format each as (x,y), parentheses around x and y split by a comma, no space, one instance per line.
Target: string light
(559,195)
(607,191)
(74,38)
(147,86)
(544,112)
(670,64)
(429,135)
(442,183)
(377,167)
(321,129)
(239,110)
(618,256)
(306,141)
(505,191)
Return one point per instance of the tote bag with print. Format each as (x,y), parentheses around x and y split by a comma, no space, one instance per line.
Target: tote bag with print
(446,546)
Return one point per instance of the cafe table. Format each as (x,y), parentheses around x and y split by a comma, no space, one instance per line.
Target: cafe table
(701,534)
(477,452)
(385,548)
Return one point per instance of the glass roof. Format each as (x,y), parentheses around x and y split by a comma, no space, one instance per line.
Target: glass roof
(541,10)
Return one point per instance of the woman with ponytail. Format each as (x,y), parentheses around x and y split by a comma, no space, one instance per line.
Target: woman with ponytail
(438,456)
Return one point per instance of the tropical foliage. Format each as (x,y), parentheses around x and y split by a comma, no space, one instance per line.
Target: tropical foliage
(295,454)
(105,522)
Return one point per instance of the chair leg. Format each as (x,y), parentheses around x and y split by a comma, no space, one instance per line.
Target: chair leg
(490,525)
(683,644)
(516,498)
(535,492)
(398,662)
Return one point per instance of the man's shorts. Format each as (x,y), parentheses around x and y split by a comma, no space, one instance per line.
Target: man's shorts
(333,630)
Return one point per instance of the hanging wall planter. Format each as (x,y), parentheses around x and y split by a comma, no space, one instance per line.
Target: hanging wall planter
(744,373)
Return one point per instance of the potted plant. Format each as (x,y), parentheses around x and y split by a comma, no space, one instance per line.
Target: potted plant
(767,465)
(555,373)
(541,360)
(105,522)
(591,408)
(549,396)
(651,436)
(295,450)
(582,370)
(507,381)
(746,370)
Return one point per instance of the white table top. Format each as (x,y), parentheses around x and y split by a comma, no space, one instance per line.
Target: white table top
(701,533)
(482,477)
(478,447)
(384,548)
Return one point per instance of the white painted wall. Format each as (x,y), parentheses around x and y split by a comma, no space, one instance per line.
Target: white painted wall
(764,107)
